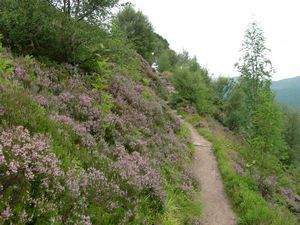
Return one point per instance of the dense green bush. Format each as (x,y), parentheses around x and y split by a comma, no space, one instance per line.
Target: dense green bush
(38,28)
(191,87)
(139,31)
(164,61)
(291,134)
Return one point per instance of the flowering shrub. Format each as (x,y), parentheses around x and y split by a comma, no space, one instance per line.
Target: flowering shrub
(20,73)
(85,101)
(79,128)
(133,149)
(29,173)
(124,89)
(42,100)
(138,172)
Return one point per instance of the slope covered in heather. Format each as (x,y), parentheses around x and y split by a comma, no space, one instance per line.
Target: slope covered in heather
(83,149)
(85,135)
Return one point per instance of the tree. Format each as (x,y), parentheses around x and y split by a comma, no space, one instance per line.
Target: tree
(291,133)
(160,45)
(235,108)
(255,68)
(137,29)
(263,119)
(192,88)
(37,28)
(267,145)
(164,62)
(92,11)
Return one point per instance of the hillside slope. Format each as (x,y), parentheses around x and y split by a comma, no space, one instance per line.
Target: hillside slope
(288,91)
(80,148)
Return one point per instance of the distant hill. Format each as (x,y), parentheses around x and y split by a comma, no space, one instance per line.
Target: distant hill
(288,91)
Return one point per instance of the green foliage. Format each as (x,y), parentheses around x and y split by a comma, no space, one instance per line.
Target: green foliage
(160,45)
(291,133)
(180,209)
(41,30)
(247,201)
(192,88)
(255,68)
(34,29)
(137,29)
(223,100)
(164,62)
(167,60)
(5,64)
(253,63)
(266,141)
(21,109)
(235,109)
(93,11)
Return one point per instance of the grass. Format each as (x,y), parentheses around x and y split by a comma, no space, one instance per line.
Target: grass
(180,207)
(249,205)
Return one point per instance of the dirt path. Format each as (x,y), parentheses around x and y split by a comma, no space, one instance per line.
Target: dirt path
(217,209)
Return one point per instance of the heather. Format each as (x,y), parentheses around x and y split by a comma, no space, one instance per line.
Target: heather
(78,148)
(89,131)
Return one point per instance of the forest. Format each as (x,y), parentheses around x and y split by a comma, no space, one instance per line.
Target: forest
(88,133)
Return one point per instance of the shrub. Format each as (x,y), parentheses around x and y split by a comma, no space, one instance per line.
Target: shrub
(30,177)
(21,109)
(192,88)
(137,28)
(33,27)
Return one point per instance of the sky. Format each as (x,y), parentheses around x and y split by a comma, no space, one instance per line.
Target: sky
(213,30)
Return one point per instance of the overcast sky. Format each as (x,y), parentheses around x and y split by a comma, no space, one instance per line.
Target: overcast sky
(213,30)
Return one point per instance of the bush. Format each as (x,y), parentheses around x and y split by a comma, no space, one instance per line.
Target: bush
(164,61)
(137,28)
(37,28)
(192,88)
(21,109)
(30,176)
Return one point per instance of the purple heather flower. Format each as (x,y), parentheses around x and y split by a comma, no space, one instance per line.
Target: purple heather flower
(6,213)
(85,220)
(2,158)
(13,167)
(139,88)
(85,100)
(20,73)
(65,97)
(42,100)
(63,119)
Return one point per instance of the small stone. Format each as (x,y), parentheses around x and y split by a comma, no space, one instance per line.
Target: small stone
(201,124)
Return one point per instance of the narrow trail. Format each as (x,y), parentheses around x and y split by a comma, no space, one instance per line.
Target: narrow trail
(217,209)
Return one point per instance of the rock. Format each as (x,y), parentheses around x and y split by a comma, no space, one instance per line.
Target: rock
(201,124)
(239,169)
